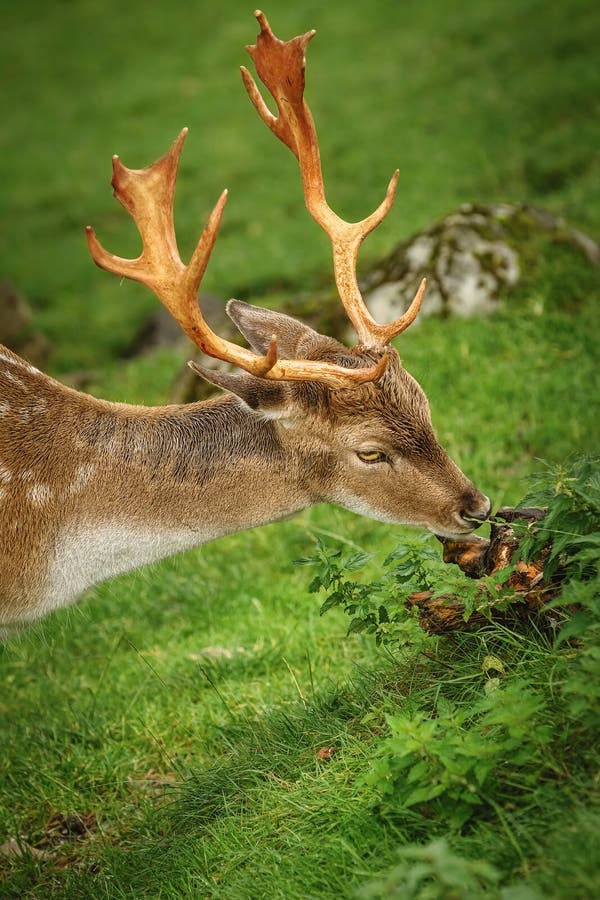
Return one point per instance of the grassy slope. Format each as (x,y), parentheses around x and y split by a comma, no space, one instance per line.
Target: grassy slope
(497,106)
(492,101)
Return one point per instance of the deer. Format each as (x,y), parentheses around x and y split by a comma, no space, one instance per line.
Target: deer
(90,489)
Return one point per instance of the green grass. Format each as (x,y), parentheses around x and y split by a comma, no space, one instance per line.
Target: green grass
(492,101)
(183,705)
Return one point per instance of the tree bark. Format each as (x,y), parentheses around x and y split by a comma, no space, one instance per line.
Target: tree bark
(478,557)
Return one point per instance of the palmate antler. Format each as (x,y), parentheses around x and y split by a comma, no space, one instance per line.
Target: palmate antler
(148,194)
(281,66)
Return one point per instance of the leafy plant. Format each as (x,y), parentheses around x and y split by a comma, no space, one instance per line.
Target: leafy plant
(379,607)
(449,761)
(455,757)
(375,607)
(433,872)
(569,535)
(571,527)
(490,751)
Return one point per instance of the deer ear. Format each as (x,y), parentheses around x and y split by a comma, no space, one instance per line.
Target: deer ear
(269,397)
(295,340)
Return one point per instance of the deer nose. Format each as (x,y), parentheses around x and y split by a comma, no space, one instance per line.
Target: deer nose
(477,512)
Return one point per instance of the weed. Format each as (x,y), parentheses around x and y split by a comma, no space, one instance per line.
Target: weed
(569,491)
(487,750)
(433,872)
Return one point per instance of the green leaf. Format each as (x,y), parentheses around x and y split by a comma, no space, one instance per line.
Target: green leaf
(357,561)
(423,794)
(306,561)
(576,626)
(383,614)
(356,625)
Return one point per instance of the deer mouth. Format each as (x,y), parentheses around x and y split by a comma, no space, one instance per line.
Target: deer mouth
(471,524)
(453,535)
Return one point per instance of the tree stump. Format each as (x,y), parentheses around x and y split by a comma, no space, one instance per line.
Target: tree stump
(478,557)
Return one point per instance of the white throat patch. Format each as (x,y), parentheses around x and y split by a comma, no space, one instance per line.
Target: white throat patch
(88,555)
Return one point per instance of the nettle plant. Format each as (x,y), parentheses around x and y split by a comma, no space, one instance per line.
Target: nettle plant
(496,724)
(568,535)
(379,607)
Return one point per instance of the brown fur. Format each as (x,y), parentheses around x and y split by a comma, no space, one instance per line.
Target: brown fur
(70,461)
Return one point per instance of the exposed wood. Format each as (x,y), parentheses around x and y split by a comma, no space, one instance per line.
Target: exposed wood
(478,557)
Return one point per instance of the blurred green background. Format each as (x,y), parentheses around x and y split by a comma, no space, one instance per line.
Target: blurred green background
(475,101)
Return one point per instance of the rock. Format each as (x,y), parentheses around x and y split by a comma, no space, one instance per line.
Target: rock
(159,329)
(472,258)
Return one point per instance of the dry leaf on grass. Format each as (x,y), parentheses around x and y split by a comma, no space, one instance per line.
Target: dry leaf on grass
(15,849)
(326,753)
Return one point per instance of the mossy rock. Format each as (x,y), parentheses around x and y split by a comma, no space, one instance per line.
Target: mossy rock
(473,259)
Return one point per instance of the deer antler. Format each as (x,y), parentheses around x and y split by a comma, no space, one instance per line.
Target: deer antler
(281,67)
(147,194)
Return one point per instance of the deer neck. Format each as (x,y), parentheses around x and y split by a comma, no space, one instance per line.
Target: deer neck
(141,484)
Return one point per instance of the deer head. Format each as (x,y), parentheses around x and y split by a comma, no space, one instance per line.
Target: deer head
(356,416)
(371,447)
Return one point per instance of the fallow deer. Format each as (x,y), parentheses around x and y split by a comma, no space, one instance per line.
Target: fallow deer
(90,489)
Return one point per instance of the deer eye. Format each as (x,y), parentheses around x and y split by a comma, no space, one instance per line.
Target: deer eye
(371,456)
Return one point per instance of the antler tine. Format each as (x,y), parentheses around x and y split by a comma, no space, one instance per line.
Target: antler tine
(148,194)
(281,67)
